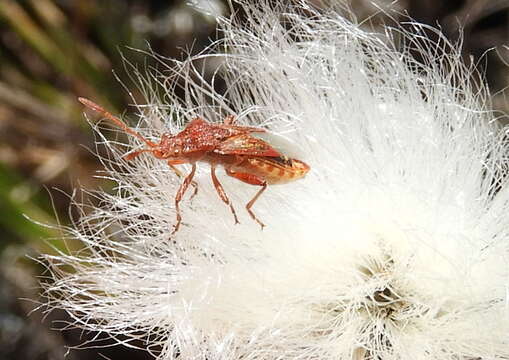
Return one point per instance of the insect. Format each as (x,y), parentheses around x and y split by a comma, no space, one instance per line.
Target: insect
(244,157)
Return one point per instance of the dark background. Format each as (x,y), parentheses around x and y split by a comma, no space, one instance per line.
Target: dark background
(51,51)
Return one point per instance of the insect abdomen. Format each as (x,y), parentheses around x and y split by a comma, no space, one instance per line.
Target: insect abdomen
(276,170)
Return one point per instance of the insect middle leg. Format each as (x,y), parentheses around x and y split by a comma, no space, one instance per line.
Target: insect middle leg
(252,180)
(221,192)
(180,193)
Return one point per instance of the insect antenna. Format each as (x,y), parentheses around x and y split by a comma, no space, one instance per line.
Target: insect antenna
(97,108)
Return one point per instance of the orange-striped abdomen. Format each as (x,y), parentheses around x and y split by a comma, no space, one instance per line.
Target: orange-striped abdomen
(275,170)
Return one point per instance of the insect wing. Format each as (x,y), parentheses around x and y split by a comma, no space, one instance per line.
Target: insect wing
(240,129)
(246,145)
(198,136)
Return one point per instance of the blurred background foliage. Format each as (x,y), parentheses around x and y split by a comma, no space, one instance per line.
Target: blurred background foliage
(52,51)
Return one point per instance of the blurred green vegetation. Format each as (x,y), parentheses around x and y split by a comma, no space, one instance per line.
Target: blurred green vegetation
(52,51)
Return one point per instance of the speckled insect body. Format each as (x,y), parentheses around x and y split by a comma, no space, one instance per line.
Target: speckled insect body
(244,157)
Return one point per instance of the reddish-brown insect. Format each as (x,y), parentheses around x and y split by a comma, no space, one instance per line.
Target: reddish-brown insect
(244,157)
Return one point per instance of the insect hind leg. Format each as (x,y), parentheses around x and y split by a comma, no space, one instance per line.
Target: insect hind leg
(252,180)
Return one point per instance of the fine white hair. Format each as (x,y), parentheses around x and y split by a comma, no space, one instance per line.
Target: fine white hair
(394,246)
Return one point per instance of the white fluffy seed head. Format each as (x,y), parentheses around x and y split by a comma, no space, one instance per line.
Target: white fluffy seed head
(393,247)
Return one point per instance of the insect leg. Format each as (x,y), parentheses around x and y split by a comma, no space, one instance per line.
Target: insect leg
(252,180)
(180,193)
(134,154)
(229,120)
(221,192)
(251,203)
(171,164)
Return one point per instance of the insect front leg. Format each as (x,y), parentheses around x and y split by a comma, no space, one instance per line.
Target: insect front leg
(134,154)
(171,164)
(252,180)
(221,192)
(180,193)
